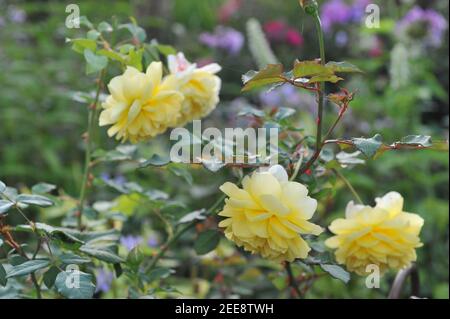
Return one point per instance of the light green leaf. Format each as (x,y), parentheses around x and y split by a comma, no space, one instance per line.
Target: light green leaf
(77,285)
(37,200)
(337,272)
(206,242)
(2,187)
(156,160)
(342,67)
(95,63)
(101,253)
(81,44)
(113,55)
(309,69)
(414,140)
(5,206)
(104,27)
(166,49)
(28,267)
(93,34)
(368,146)
(42,188)
(271,74)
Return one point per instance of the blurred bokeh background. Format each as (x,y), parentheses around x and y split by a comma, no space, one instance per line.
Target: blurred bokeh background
(403,91)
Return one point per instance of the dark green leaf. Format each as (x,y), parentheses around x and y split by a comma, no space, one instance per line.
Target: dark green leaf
(3,279)
(206,242)
(70,258)
(28,267)
(76,285)
(50,276)
(159,273)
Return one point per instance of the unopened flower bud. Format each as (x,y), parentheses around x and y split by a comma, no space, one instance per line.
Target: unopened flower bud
(310,6)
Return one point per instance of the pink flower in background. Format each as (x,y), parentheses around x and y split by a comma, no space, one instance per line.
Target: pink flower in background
(224,38)
(279,31)
(229,9)
(294,38)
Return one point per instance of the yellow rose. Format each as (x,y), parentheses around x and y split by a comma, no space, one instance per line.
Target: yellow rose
(200,87)
(141,105)
(268,215)
(383,235)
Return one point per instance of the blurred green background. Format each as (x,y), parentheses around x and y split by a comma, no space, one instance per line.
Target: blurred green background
(403,91)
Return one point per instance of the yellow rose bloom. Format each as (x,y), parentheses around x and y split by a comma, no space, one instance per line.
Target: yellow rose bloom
(269,215)
(141,105)
(200,87)
(383,235)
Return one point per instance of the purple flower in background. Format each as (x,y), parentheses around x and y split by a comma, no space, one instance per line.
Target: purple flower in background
(16,15)
(153,241)
(130,241)
(104,280)
(335,12)
(224,38)
(427,25)
(287,96)
(119,179)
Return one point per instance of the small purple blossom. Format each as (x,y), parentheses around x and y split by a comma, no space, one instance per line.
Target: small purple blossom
(130,241)
(424,24)
(224,38)
(287,96)
(119,179)
(152,241)
(104,280)
(338,12)
(16,15)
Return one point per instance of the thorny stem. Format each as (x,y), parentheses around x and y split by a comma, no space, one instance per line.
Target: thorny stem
(291,279)
(349,185)
(87,159)
(178,234)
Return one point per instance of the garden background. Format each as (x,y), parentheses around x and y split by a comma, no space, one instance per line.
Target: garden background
(403,91)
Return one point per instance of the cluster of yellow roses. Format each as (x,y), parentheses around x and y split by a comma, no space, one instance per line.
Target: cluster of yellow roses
(143,105)
(269,215)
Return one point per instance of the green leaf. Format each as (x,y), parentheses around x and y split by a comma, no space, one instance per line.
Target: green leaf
(37,200)
(101,253)
(195,215)
(42,188)
(134,58)
(283,113)
(342,67)
(156,160)
(135,30)
(415,140)
(135,257)
(336,272)
(93,34)
(113,55)
(50,276)
(159,273)
(79,45)
(28,267)
(182,172)
(271,74)
(104,27)
(309,69)
(70,258)
(212,164)
(68,285)
(206,242)
(2,187)
(368,146)
(95,63)
(84,21)
(5,205)
(166,49)
(3,279)
(59,234)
